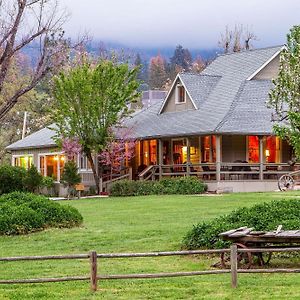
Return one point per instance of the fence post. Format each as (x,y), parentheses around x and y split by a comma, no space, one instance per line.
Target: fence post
(93,268)
(233,262)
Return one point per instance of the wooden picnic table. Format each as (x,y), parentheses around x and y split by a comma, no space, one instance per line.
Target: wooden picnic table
(245,237)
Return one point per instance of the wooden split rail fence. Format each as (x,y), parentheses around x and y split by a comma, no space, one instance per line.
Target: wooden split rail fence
(94,257)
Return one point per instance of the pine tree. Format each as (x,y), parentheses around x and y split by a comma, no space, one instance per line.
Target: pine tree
(182,58)
(70,176)
(33,179)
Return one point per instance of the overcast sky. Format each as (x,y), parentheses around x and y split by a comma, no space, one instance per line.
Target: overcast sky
(192,23)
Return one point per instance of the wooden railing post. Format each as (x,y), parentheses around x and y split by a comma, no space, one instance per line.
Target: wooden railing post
(233,262)
(93,270)
(261,158)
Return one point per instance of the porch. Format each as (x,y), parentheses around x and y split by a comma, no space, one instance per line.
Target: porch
(234,162)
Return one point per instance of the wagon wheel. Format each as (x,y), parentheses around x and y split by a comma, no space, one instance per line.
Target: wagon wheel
(286,182)
(244,259)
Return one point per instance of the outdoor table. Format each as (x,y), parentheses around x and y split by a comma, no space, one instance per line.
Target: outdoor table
(245,237)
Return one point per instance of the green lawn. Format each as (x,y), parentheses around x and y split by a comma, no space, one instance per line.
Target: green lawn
(150,223)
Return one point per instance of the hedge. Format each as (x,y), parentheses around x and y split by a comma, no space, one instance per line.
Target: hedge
(12,179)
(265,216)
(179,185)
(22,213)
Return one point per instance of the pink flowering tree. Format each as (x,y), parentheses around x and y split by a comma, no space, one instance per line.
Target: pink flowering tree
(118,150)
(71,147)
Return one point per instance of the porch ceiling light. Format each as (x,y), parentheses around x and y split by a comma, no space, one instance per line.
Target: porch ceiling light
(56,157)
(184,149)
(267,152)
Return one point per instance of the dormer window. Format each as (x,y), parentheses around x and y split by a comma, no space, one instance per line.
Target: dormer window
(180,93)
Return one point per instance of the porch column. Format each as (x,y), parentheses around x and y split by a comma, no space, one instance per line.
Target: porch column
(261,158)
(218,158)
(160,157)
(188,156)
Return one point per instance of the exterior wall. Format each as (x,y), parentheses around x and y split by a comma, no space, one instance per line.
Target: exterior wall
(233,148)
(172,106)
(35,153)
(86,176)
(270,71)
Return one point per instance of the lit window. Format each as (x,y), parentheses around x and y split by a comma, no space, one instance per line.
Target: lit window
(253,149)
(23,161)
(52,165)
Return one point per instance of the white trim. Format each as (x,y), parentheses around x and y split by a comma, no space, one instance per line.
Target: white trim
(80,170)
(266,63)
(45,165)
(177,95)
(169,92)
(186,90)
(20,155)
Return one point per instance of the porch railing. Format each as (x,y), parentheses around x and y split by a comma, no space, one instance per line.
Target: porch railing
(108,179)
(227,171)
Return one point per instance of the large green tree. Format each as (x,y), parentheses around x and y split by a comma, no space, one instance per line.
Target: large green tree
(285,96)
(90,99)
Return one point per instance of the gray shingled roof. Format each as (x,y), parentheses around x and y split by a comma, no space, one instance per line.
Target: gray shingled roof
(249,113)
(230,72)
(226,103)
(199,85)
(40,139)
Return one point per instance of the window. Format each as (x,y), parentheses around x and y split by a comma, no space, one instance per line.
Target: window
(272,149)
(208,148)
(52,165)
(253,149)
(180,94)
(23,161)
(84,164)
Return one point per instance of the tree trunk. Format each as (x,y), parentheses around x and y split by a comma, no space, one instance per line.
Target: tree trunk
(96,177)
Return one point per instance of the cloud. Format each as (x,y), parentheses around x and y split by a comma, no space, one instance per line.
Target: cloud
(193,23)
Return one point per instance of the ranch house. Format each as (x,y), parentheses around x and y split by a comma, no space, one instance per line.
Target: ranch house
(214,125)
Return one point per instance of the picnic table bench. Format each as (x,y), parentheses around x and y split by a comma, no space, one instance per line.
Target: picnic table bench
(246,238)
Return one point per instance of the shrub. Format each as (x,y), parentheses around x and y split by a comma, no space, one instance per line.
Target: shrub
(183,185)
(33,179)
(11,179)
(48,182)
(21,213)
(261,217)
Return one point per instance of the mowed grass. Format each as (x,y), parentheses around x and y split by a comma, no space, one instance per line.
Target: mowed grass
(137,224)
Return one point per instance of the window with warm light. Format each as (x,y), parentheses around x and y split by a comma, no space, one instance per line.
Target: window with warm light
(208,148)
(52,165)
(23,161)
(272,148)
(253,149)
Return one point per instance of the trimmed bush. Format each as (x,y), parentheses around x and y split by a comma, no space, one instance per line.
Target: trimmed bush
(180,185)
(262,217)
(22,213)
(11,179)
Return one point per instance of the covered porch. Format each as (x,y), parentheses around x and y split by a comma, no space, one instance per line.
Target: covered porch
(240,162)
